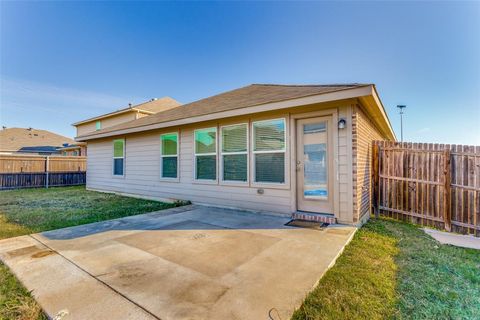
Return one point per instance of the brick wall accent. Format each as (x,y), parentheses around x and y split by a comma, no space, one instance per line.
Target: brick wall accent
(363,133)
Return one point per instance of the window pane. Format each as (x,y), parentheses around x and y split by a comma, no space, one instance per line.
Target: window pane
(169,144)
(234,138)
(206,167)
(205,140)
(169,167)
(118,167)
(270,167)
(118,148)
(235,167)
(269,135)
(98,125)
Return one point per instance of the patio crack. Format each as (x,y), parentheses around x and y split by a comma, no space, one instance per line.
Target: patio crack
(94,277)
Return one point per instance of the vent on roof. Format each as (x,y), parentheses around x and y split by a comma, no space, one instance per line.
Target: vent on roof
(130,105)
(154,99)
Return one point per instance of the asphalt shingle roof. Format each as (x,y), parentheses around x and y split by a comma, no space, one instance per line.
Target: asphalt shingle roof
(252,95)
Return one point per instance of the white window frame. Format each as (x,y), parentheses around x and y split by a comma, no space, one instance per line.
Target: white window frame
(113,159)
(284,150)
(195,154)
(170,156)
(235,182)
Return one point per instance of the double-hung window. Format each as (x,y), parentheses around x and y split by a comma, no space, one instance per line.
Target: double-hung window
(118,157)
(206,154)
(269,146)
(234,153)
(169,155)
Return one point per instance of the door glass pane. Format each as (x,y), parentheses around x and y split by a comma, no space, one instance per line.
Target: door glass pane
(315,161)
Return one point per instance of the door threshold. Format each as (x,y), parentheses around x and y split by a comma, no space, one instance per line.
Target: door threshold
(312,216)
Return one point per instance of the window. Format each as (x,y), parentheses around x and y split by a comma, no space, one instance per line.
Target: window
(98,125)
(169,155)
(269,150)
(75,153)
(235,153)
(118,157)
(206,154)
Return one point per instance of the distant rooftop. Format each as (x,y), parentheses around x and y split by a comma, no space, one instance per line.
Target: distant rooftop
(151,107)
(31,140)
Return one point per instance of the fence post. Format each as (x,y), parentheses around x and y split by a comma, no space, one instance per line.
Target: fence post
(447,215)
(47,164)
(375,178)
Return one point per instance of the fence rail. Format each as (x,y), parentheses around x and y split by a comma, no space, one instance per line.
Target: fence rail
(41,171)
(434,185)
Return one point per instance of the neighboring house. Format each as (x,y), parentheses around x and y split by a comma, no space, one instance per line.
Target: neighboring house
(31,141)
(124,115)
(74,150)
(301,149)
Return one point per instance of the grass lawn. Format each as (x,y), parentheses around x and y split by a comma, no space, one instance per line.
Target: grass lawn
(34,210)
(393,270)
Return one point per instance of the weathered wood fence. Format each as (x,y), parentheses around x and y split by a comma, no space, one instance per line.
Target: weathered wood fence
(428,184)
(25,171)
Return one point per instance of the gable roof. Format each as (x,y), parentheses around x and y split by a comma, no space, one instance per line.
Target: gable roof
(241,101)
(150,107)
(31,140)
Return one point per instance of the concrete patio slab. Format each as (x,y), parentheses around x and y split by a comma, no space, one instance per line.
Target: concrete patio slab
(187,263)
(459,240)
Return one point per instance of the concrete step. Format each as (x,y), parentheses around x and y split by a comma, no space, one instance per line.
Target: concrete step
(319,217)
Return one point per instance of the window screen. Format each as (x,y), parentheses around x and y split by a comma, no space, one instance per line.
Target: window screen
(169,155)
(206,154)
(235,153)
(269,150)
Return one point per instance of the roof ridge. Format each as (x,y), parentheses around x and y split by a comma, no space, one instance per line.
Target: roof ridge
(312,85)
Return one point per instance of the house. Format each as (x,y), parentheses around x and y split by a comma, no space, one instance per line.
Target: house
(287,149)
(31,141)
(74,150)
(124,115)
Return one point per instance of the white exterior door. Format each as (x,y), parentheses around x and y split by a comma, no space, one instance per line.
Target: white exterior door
(314,165)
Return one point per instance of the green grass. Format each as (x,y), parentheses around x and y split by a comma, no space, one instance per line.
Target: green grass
(393,270)
(33,210)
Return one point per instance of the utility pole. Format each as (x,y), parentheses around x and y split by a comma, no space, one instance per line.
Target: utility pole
(401,107)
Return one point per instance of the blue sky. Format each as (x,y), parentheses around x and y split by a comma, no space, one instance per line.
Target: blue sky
(66,61)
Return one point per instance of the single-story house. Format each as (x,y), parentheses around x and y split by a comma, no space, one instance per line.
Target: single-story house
(287,149)
(31,141)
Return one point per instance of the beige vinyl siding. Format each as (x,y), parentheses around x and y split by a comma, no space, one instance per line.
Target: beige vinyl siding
(364,132)
(142,168)
(106,122)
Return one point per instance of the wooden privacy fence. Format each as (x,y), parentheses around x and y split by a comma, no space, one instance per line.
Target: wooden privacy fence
(24,171)
(434,185)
